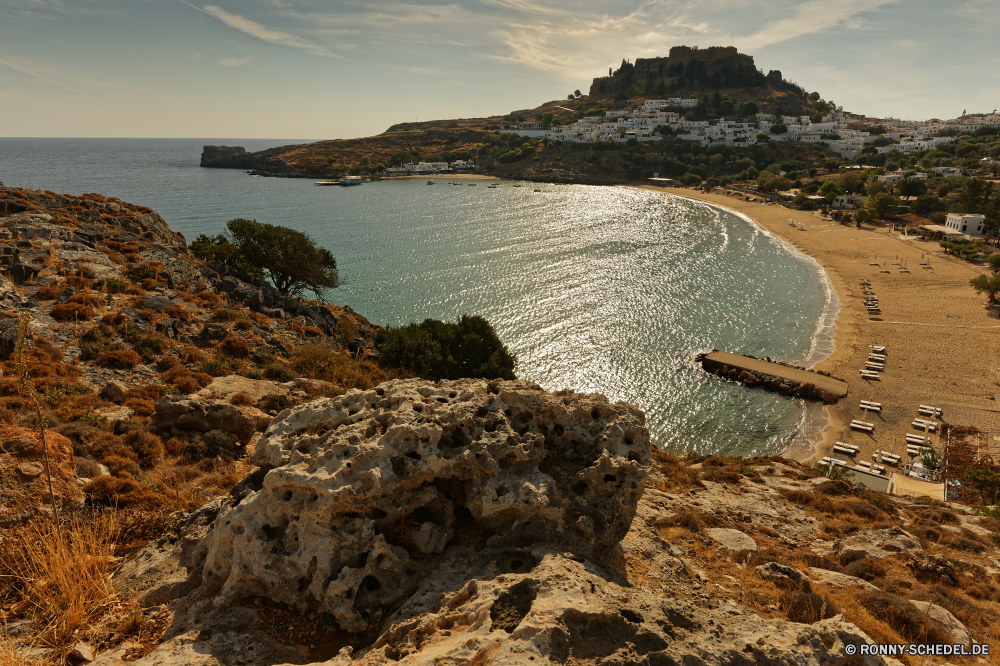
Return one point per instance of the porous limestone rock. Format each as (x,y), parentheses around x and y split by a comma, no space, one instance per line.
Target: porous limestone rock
(837,579)
(114,391)
(732,540)
(182,414)
(347,480)
(877,544)
(959,633)
(781,575)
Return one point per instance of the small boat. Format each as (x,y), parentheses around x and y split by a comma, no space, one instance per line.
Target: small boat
(350,180)
(537,190)
(430,182)
(327,182)
(492,187)
(516,185)
(472,184)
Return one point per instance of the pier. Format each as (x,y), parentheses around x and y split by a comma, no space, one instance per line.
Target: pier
(775,376)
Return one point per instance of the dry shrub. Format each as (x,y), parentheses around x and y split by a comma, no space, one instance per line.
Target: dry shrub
(193,355)
(807,607)
(114,319)
(235,347)
(241,398)
(121,492)
(152,316)
(121,466)
(209,297)
(348,327)
(140,407)
(243,325)
(146,447)
(49,293)
(676,470)
(813,560)
(175,447)
(151,392)
(318,362)
(862,509)
(868,569)
(178,312)
(835,487)
(203,379)
(72,312)
(148,283)
(45,346)
(68,582)
(228,314)
(721,475)
(135,291)
(118,358)
(260,319)
(186,384)
(314,331)
(76,407)
(296,326)
(165,363)
(78,282)
(92,300)
(904,617)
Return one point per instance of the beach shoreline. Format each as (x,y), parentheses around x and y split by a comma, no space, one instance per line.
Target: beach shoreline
(918,309)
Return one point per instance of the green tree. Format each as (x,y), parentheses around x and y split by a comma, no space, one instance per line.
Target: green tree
(469,347)
(911,187)
(987,284)
(218,248)
(994,261)
(829,190)
(293,262)
(882,205)
(778,129)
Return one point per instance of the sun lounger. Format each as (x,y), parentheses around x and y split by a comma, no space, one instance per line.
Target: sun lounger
(877,349)
(874,263)
(885,271)
(849,449)
(920,424)
(874,366)
(875,356)
(904,270)
(888,458)
(916,440)
(862,425)
(870,374)
(927,410)
(871,406)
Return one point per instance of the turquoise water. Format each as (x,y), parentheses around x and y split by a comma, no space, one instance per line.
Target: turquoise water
(609,290)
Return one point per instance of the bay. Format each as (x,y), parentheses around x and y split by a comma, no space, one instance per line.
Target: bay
(598,289)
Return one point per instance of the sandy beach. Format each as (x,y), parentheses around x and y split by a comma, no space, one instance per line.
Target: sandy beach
(942,344)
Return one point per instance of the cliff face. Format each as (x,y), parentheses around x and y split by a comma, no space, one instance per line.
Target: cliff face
(236,157)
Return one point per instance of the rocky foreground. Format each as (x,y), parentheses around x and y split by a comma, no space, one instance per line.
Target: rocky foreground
(280,502)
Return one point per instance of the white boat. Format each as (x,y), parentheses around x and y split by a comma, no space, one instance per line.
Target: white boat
(350,180)
(327,182)
(516,185)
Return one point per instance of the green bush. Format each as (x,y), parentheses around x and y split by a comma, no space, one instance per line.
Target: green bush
(116,285)
(468,347)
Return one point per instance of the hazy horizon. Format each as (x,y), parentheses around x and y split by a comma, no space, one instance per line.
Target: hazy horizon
(346,69)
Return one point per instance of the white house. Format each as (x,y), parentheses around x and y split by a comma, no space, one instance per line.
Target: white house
(972,225)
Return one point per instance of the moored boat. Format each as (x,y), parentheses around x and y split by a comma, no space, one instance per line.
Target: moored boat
(327,182)
(350,180)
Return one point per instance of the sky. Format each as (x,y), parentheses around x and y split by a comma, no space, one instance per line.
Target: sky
(329,69)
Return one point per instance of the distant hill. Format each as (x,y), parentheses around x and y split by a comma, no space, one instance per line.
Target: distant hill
(726,81)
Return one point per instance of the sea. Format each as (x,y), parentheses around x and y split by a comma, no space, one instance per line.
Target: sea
(611,290)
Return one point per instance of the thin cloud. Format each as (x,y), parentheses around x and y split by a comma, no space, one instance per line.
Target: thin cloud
(39,76)
(262,32)
(809,18)
(235,62)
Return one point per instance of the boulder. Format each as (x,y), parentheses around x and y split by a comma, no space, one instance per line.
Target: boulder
(878,544)
(182,414)
(240,292)
(90,468)
(8,337)
(495,464)
(114,391)
(781,575)
(30,470)
(837,579)
(734,541)
(20,443)
(958,631)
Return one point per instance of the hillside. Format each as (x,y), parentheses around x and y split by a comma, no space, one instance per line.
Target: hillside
(726,82)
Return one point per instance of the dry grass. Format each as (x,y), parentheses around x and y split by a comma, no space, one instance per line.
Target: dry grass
(67,584)
(241,398)
(119,358)
(318,362)
(72,312)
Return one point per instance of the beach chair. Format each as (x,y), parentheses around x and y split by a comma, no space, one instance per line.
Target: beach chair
(875,356)
(874,366)
(927,410)
(916,440)
(877,349)
(862,425)
(885,271)
(874,263)
(870,374)
(904,270)
(871,406)
(849,449)
(920,424)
